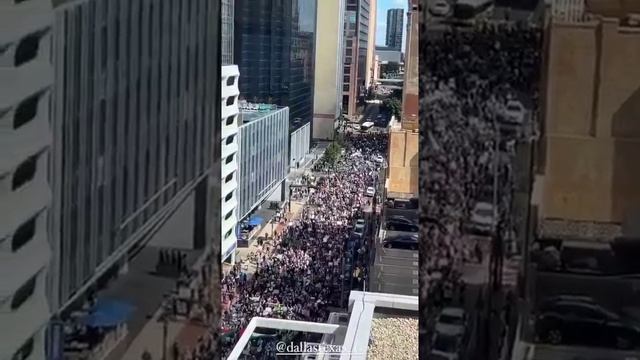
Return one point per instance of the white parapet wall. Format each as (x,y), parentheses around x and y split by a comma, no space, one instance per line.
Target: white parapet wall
(362,306)
(26,77)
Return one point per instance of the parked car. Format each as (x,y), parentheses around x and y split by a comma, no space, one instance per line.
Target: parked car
(370,191)
(401,223)
(514,112)
(378,158)
(403,242)
(585,322)
(358,229)
(440,8)
(482,218)
(446,346)
(451,321)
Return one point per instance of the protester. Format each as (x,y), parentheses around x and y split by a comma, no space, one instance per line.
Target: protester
(471,76)
(299,272)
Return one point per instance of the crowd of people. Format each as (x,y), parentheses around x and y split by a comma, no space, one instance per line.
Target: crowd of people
(299,271)
(471,76)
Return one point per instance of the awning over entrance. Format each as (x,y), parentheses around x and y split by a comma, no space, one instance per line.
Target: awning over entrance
(108,312)
(255,221)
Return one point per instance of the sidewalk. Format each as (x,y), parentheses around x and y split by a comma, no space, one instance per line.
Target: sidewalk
(266,231)
(186,333)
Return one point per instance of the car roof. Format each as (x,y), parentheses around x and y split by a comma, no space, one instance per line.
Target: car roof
(483,205)
(403,238)
(566,297)
(448,329)
(398,217)
(455,311)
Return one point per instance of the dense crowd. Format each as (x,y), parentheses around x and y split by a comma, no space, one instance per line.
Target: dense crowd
(471,75)
(299,271)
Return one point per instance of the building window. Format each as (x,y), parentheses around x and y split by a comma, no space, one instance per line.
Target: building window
(228,197)
(27,348)
(229,215)
(27,50)
(24,234)
(24,293)
(229,140)
(228,178)
(228,234)
(231,80)
(229,159)
(25,172)
(230,120)
(27,110)
(231,100)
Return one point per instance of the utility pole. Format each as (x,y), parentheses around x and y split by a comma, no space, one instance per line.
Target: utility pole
(495,260)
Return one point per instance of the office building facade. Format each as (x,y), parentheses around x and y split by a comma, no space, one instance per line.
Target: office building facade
(327,102)
(275,51)
(363,14)
(350,70)
(592,118)
(371,48)
(404,139)
(229,161)
(299,144)
(395,26)
(411,69)
(26,75)
(135,100)
(226,28)
(263,140)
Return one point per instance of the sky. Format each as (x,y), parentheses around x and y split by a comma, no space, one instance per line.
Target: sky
(381,24)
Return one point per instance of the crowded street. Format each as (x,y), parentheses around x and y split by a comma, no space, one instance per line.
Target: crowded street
(475,79)
(300,270)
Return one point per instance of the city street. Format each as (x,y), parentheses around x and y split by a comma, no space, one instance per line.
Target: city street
(371,112)
(550,352)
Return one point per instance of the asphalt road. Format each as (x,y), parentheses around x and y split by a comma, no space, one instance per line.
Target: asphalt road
(549,352)
(614,292)
(371,112)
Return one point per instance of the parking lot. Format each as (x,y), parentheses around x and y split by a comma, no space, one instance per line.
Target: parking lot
(395,270)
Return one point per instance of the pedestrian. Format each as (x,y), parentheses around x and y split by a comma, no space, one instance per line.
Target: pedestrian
(175,351)
(146,355)
(478,250)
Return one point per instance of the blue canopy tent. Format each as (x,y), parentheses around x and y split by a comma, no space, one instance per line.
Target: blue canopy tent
(108,313)
(255,221)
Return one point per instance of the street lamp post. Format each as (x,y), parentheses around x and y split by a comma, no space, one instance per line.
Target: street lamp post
(165,329)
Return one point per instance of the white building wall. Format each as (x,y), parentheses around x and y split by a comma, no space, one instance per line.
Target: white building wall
(26,76)
(300,146)
(230,92)
(263,162)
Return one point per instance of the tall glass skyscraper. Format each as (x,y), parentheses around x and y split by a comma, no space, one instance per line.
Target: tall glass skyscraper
(274,45)
(395,23)
(226,29)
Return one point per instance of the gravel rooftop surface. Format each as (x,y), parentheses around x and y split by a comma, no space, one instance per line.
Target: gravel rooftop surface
(394,338)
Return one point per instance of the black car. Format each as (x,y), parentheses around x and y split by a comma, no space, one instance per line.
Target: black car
(584,322)
(405,242)
(401,223)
